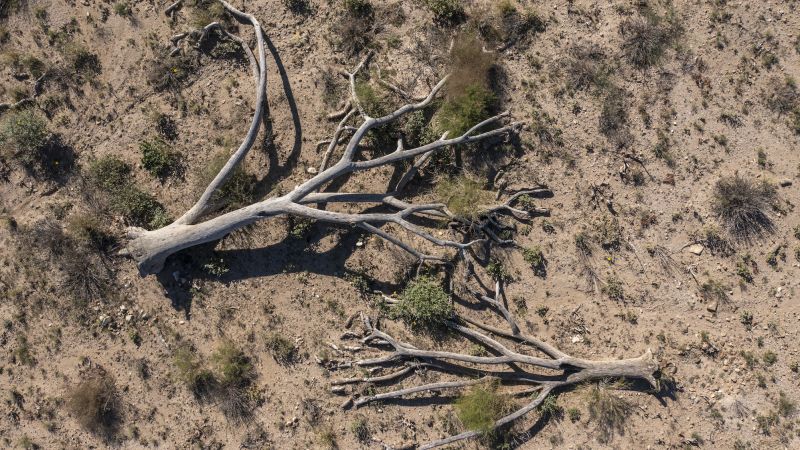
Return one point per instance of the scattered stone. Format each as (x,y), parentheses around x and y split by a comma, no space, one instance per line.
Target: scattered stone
(695,249)
(312,170)
(712,307)
(577,339)
(786,183)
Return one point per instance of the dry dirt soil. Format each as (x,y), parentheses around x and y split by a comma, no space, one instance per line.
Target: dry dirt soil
(632,153)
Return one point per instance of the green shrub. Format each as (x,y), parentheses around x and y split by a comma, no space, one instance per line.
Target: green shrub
(423,305)
(608,410)
(158,158)
(123,9)
(462,196)
(358,8)
(535,257)
(237,191)
(113,177)
(743,206)
(109,173)
(283,350)
(447,12)
(165,72)
(298,6)
(646,38)
(614,289)
(232,365)
(24,136)
(480,407)
(203,12)
(190,370)
(460,113)
(361,431)
(497,270)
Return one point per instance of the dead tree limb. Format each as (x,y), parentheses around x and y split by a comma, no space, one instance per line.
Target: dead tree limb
(151,248)
(544,374)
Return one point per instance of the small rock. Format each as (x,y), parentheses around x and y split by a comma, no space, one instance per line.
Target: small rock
(712,307)
(129,318)
(577,339)
(786,183)
(312,170)
(695,249)
(359,243)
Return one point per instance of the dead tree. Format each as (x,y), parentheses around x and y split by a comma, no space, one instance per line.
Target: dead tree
(543,374)
(544,370)
(151,248)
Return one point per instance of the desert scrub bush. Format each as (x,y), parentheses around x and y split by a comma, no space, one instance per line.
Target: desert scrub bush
(462,196)
(713,290)
(24,136)
(113,178)
(354,29)
(585,68)
(232,365)
(423,305)
(743,205)
(123,9)
(646,37)
(203,12)
(497,271)
(535,258)
(84,64)
(505,24)
(164,72)
(447,12)
(782,95)
(95,403)
(282,349)
(298,6)
(614,289)
(613,122)
(89,230)
(190,370)
(9,7)
(165,126)
(479,408)
(468,99)
(159,159)
(238,190)
(607,410)
(360,429)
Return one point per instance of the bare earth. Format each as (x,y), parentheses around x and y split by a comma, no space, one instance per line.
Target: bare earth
(709,101)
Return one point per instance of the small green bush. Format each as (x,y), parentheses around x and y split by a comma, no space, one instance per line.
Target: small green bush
(423,305)
(459,114)
(283,350)
(447,12)
(158,158)
(481,407)
(535,257)
(614,289)
(233,366)
(361,431)
(123,9)
(743,206)
(609,411)
(462,196)
(237,191)
(165,72)
(298,6)
(190,370)
(24,136)
(646,38)
(358,8)
(113,177)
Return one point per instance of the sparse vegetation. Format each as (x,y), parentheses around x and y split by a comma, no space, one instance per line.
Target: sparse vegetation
(158,158)
(423,304)
(462,196)
(95,403)
(282,349)
(535,257)
(743,206)
(608,410)
(646,37)
(113,177)
(481,406)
